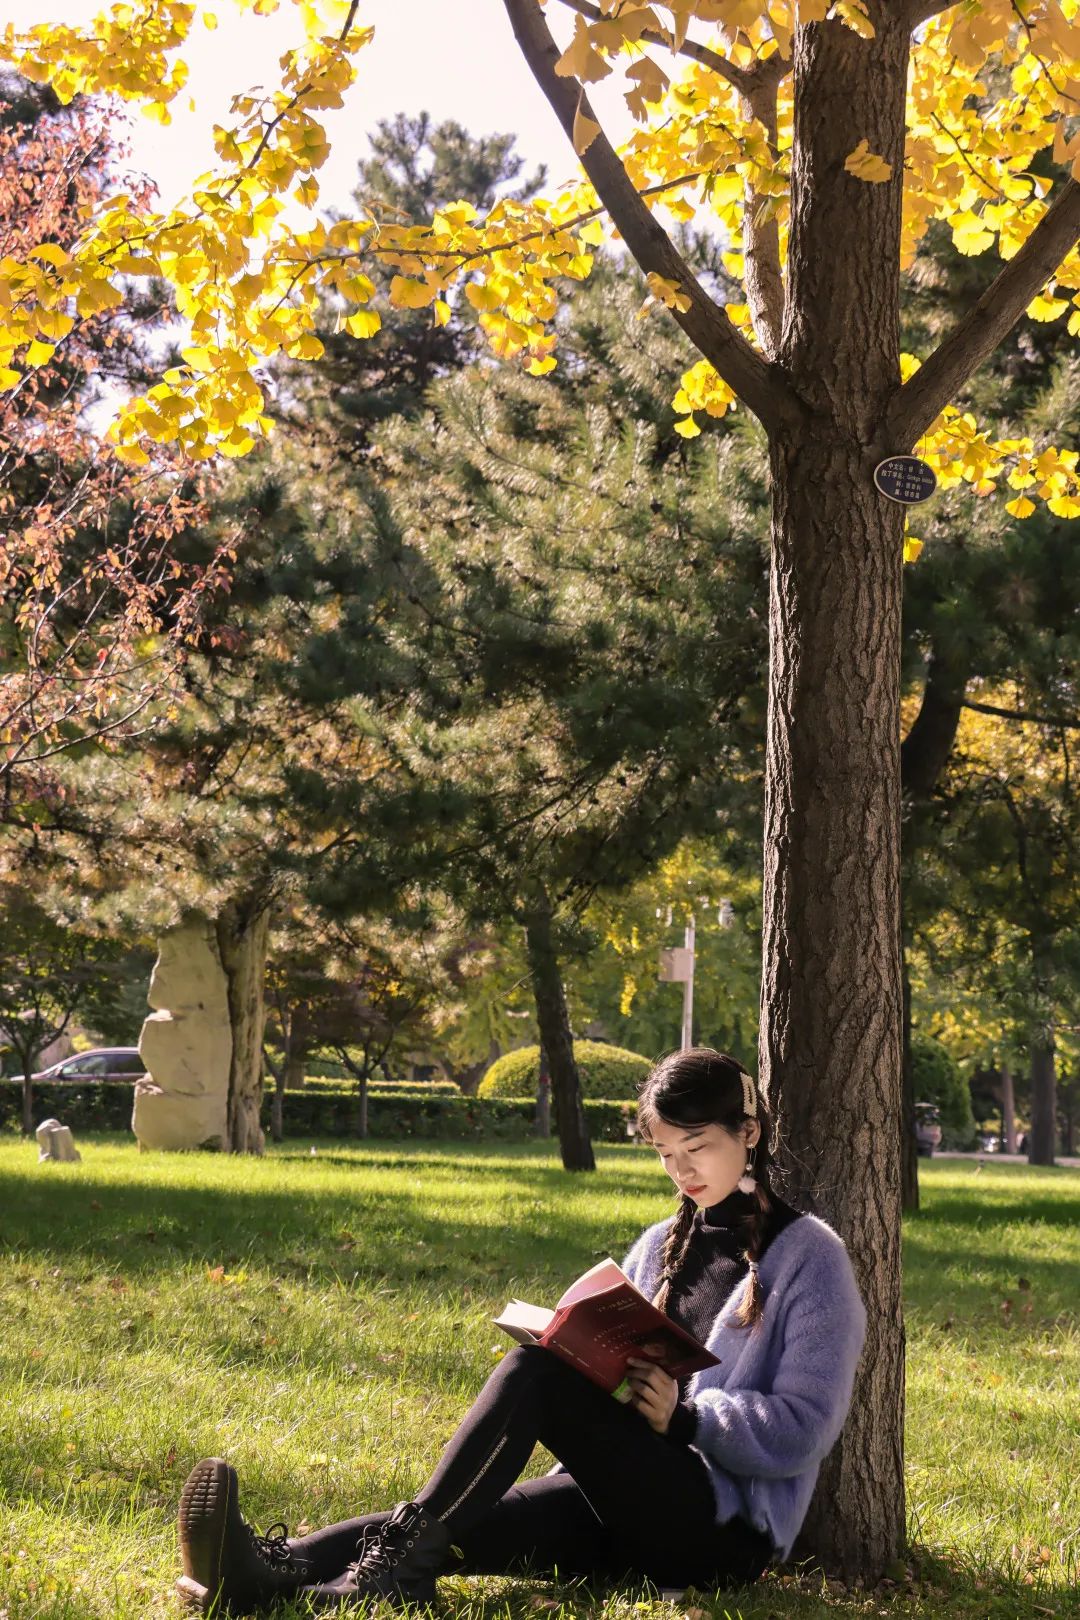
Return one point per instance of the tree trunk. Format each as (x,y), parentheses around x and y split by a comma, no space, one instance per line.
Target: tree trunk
(277,1107)
(1041,1137)
(832,1013)
(1008,1109)
(909,1148)
(543,1098)
(294,1072)
(360,1113)
(241,932)
(556,1039)
(27,1059)
(1067,1098)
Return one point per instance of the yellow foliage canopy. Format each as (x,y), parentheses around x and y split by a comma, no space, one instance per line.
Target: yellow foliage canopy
(249,283)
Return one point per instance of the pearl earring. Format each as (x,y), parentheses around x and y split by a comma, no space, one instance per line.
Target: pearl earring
(747,1182)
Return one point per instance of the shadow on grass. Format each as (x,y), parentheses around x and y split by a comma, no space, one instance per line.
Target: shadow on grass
(332,1233)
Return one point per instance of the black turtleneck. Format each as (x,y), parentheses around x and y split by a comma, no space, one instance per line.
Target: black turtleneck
(714,1265)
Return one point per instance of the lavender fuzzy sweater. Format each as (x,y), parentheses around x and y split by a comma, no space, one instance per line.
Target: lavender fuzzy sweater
(773,1408)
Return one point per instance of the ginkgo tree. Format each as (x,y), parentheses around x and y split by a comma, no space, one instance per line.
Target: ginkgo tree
(824,137)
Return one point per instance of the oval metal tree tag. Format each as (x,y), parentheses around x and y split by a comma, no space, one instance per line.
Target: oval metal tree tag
(905,479)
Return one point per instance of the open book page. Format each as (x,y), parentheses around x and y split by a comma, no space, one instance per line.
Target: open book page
(604,1275)
(523,1322)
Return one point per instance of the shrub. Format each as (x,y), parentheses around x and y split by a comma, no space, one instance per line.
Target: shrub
(608,1073)
(937,1079)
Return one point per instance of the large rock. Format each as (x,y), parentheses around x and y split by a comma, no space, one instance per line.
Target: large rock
(186,1045)
(56,1142)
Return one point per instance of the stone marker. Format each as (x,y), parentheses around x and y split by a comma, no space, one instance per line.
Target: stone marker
(186,1045)
(56,1142)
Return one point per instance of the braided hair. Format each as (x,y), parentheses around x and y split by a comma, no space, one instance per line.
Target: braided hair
(703,1087)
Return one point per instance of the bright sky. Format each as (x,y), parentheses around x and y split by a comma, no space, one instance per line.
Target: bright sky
(470,70)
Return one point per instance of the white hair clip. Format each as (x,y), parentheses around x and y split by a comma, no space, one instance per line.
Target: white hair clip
(749,1096)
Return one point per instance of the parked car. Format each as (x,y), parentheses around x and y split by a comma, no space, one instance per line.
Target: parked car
(103,1063)
(927,1129)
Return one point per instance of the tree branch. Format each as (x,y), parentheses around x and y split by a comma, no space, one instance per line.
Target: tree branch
(761,386)
(1059,722)
(757,87)
(986,323)
(761,230)
(925,750)
(739,78)
(920,11)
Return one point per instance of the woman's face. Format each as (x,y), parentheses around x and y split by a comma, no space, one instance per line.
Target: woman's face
(704,1161)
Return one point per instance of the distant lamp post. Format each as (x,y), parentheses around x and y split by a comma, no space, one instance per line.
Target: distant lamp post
(677,964)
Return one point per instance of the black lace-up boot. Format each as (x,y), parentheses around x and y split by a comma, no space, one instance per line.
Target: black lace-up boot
(398,1561)
(227,1567)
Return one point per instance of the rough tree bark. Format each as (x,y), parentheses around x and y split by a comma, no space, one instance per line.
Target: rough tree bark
(242,927)
(556,1037)
(1042,1136)
(831,991)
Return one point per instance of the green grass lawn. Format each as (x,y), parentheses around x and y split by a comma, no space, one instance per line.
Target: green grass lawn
(324,1320)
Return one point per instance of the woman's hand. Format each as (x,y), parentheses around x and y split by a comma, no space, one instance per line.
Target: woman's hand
(653,1391)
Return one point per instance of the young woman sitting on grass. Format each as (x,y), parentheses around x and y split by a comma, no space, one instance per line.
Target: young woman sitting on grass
(700,1485)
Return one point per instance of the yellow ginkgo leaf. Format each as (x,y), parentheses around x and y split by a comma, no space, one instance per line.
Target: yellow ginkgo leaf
(580,60)
(687,428)
(1043,308)
(586,130)
(483,296)
(132,455)
(407,293)
(867,165)
(969,233)
(364,324)
(1021,507)
(912,548)
(39,354)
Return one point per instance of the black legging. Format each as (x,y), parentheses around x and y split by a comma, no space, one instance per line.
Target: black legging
(632,1502)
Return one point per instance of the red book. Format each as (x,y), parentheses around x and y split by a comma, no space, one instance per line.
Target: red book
(599,1323)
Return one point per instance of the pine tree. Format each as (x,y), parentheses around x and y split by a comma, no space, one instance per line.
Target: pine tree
(580,598)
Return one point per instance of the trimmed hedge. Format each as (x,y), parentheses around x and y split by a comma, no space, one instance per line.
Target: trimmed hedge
(418,1088)
(105,1105)
(607,1072)
(91,1105)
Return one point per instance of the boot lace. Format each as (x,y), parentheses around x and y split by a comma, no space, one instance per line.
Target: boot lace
(382,1547)
(274,1547)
